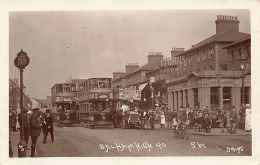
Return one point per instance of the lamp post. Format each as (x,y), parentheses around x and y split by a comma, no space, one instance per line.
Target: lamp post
(242,113)
(152,80)
(21,61)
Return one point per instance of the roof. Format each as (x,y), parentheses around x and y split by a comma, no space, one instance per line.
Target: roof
(148,67)
(77,81)
(227,36)
(244,39)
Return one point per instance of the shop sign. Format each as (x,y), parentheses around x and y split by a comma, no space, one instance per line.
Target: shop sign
(58,99)
(66,99)
(102,95)
(130,94)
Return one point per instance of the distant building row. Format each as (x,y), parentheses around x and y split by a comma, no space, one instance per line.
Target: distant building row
(214,72)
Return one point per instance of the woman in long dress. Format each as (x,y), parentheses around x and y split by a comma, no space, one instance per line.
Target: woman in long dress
(162,120)
(248,118)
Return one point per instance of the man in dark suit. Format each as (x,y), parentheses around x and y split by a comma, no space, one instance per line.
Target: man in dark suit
(35,129)
(233,120)
(169,118)
(47,125)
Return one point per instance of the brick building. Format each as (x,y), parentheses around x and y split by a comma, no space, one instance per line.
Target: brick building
(14,97)
(205,77)
(239,54)
(136,77)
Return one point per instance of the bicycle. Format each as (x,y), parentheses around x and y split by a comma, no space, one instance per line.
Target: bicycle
(183,130)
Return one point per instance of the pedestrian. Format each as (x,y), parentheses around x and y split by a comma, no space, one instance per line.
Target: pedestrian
(248,118)
(233,120)
(196,114)
(169,119)
(11,154)
(35,129)
(191,118)
(48,125)
(162,120)
(25,125)
(14,121)
(175,118)
(225,119)
(182,117)
(200,120)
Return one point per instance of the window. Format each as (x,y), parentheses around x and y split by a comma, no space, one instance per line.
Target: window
(247,95)
(198,57)
(204,55)
(66,87)
(240,53)
(93,83)
(248,51)
(227,98)
(198,69)
(196,97)
(204,68)
(232,55)
(190,60)
(60,88)
(210,52)
(211,68)
(73,88)
(214,99)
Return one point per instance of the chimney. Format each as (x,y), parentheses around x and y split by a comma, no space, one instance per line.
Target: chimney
(131,67)
(154,56)
(177,51)
(118,74)
(225,23)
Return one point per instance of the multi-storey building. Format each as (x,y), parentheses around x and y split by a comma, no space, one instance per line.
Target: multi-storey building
(239,54)
(14,97)
(204,78)
(160,75)
(135,78)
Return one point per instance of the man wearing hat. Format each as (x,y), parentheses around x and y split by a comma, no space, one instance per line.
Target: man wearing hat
(35,129)
(169,118)
(233,120)
(47,125)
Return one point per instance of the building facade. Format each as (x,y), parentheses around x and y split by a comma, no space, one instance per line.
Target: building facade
(205,77)
(136,80)
(14,97)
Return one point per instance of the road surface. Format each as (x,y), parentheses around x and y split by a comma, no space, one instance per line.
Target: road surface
(110,142)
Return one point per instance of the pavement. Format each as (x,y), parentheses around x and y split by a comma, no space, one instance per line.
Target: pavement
(213,132)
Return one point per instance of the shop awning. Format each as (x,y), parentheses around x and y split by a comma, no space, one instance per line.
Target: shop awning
(142,86)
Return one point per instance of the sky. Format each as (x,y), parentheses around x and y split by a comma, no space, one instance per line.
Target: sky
(85,44)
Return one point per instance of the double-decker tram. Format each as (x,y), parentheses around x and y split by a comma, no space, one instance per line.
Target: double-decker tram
(95,102)
(64,103)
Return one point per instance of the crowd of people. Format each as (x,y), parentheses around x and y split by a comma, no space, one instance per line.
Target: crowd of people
(34,123)
(200,119)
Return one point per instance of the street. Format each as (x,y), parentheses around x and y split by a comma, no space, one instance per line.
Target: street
(110,142)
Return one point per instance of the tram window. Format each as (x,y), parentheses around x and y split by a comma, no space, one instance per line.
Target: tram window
(60,89)
(93,83)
